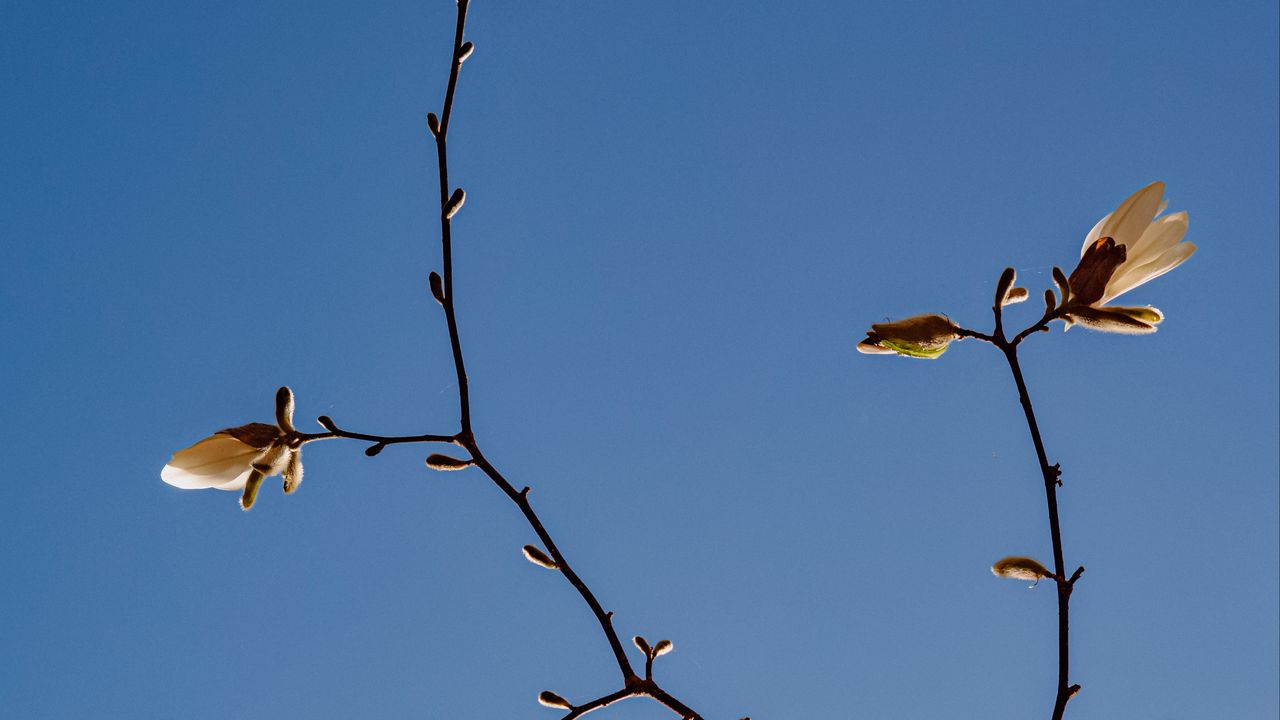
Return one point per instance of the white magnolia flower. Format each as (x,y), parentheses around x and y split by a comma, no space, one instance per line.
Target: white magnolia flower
(239,458)
(1127,248)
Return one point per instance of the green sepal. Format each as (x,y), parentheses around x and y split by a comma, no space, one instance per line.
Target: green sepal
(251,489)
(914,351)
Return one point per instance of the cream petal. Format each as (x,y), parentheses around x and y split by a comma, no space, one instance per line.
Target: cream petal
(1163,263)
(1094,234)
(216,461)
(1159,236)
(1133,216)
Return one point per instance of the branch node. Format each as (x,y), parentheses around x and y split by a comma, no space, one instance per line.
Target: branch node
(1075,576)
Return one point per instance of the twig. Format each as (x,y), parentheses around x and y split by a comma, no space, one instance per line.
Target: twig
(1050,474)
(449,199)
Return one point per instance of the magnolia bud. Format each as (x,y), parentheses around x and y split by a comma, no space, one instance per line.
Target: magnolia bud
(437,287)
(643,645)
(1064,287)
(1004,284)
(539,558)
(436,461)
(465,51)
(284,409)
(1015,296)
(433,123)
(293,473)
(922,336)
(552,700)
(454,204)
(662,648)
(375,449)
(1020,568)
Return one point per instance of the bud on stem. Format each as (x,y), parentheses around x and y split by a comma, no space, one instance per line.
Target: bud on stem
(454,204)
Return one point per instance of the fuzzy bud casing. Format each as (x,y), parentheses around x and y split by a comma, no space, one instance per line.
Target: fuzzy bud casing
(535,555)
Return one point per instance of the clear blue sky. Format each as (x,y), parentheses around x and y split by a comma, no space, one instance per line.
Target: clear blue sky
(680,218)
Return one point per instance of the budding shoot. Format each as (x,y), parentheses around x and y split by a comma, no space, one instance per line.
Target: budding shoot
(437,461)
(539,558)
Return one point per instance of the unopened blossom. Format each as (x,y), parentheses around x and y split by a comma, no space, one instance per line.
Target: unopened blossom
(239,458)
(922,336)
(1127,248)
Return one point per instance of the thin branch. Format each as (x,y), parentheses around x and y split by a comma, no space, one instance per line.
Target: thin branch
(580,710)
(466,438)
(336,432)
(1050,474)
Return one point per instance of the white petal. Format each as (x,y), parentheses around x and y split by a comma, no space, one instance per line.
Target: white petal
(1094,234)
(220,462)
(1166,261)
(1159,236)
(1133,216)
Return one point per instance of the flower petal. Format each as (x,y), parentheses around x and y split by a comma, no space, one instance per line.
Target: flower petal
(1094,234)
(1163,263)
(1159,236)
(219,462)
(1133,216)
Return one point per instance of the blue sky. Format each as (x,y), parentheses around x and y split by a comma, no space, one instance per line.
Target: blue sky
(680,218)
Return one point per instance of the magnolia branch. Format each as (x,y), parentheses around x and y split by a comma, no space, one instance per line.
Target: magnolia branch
(1050,473)
(451,200)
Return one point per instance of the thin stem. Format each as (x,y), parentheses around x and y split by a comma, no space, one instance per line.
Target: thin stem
(446,239)
(580,710)
(521,499)
(633,685)
(336,432)
(1050,474)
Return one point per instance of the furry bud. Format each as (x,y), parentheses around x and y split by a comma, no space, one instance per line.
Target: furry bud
(436,461)
(455,203)
(539,558)
(552,700)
